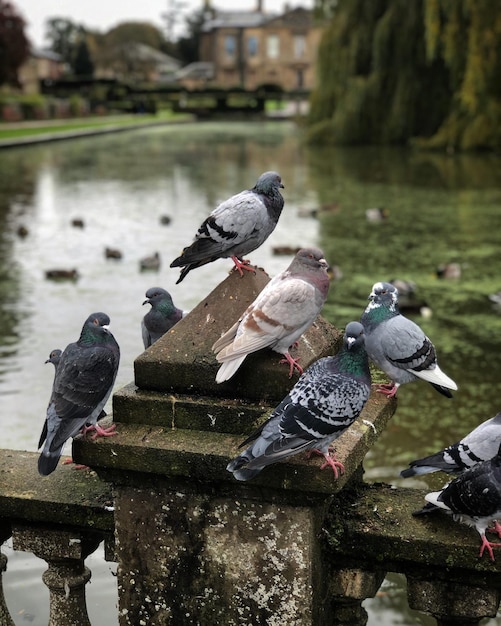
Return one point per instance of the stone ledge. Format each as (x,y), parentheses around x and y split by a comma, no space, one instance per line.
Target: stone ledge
(202,456)
(68,496)
(374,525)
(182,360)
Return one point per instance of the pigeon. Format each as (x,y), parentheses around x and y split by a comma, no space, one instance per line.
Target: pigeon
(161,317)
(150,263)
(473,498)
(54,357)
(281,313)
(84,378)
(236,227)
(398,346)
(482,444)
(323,403)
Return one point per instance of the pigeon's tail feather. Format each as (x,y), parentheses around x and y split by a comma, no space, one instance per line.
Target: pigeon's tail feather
(184,272)
(236,467)
(43,436)
(47,463)
(443,390)
(228,369)
(426,509)
(418,470)
(437,378)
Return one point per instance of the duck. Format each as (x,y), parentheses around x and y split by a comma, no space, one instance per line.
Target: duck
(112,253)
(165,220)
(376,214)
(62,274)
(449,271)
(285,250)
(22,231)
(330,207)
(150,262)
(77,222)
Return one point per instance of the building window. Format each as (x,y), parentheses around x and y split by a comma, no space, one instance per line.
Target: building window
(273,47)
(230,45)
(299,46)
(252,46)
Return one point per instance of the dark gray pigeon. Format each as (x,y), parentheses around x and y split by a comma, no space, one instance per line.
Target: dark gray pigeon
(482,444)
(83,382)
(161,317)
(398,346)
(473,498)
(281,313)
(236,227)
(323,403)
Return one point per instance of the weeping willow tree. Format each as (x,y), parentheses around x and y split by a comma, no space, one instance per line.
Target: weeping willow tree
(394,71)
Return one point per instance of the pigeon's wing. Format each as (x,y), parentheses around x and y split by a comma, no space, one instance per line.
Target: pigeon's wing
(406,346)
(282,310)
(82,385)
(231,223)
(227,338)
(146,335)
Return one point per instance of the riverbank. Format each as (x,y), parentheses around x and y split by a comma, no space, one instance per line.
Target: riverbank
(40,131)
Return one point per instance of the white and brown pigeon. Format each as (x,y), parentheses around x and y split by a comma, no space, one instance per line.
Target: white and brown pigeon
(236,227)
(84,379)
(398,346)
(281,313)
(323,403)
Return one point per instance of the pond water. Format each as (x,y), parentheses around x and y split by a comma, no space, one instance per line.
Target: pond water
(440,209)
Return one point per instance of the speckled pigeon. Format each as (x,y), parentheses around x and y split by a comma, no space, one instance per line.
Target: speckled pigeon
(323,403)
(482,444)
(398,346)
(474,498)
(161,317)
(236,227)
(83,382)
(281,313)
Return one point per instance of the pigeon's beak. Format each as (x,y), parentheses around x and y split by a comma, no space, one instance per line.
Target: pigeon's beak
(350,341)
(281,186)
(47,361)
(146,302)
(106,328)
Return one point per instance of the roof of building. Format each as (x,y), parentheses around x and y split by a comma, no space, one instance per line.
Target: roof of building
(237,19)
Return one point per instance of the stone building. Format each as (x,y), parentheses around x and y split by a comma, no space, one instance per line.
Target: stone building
(253,48)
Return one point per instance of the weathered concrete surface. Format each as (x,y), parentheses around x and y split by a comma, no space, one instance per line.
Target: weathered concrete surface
(182,360)
(189,558)
(202,456)
(67,496)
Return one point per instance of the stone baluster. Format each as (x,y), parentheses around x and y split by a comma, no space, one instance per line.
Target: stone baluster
(66,577)
(5,533)
(452,603)
(348,589)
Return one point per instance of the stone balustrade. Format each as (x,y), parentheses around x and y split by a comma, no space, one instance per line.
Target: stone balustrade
(193,545)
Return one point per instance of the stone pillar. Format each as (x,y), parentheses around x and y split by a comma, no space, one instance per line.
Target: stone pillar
(348,589)
(452,603)
(66,577)
(195,546)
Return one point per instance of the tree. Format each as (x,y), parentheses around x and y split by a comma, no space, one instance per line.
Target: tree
(14,46)
(188,46)
(83,65)
(63,35)
(392,71)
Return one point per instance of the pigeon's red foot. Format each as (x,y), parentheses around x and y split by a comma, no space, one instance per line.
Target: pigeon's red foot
(389,390)
(330,461)
(488,545)
(242,264)
(294,363)
(77,466)
(496,529)
(104,432)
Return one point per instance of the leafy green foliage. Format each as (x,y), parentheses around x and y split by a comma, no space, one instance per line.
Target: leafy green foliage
(14,46)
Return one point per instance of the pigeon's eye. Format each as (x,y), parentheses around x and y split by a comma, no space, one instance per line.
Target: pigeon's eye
(95,322)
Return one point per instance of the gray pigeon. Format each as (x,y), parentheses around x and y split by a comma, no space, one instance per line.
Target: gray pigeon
(482,444)
(236,227)
(83,382)
(281,313)
(161,317)
(323,403)
(54,357)
(398,346)
(473,498)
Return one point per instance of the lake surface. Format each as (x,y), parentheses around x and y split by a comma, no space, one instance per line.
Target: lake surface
(440,209)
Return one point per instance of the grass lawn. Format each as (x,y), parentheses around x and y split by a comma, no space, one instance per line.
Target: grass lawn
(19,130)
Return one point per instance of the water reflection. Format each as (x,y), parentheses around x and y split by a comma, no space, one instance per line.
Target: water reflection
(440,209)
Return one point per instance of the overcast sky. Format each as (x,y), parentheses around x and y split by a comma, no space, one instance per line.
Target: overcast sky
(104,14)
